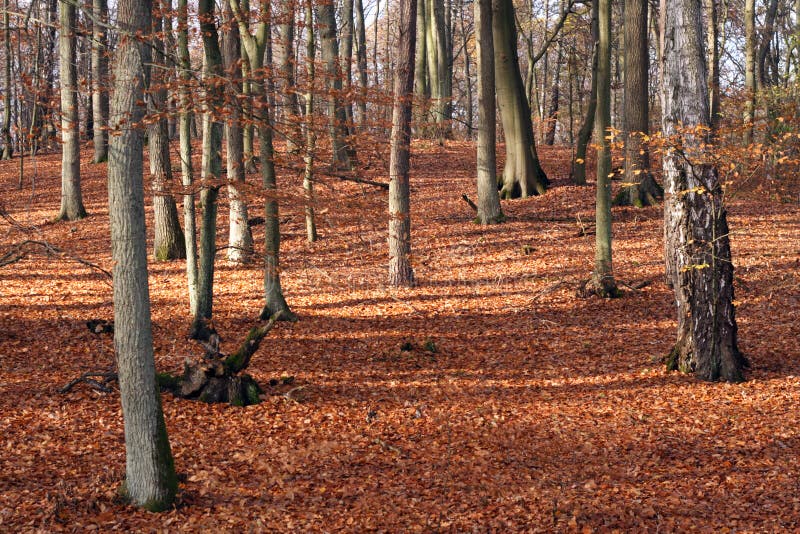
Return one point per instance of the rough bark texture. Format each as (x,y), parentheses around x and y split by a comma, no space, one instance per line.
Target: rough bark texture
(150,479)
(71,200)
(489,211)
(400,270)
(240,240)
(696,230)
(168,242)
(99,80)
(641,188)
(523,176)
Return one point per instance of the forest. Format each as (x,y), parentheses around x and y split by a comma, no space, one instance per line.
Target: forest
(399,266)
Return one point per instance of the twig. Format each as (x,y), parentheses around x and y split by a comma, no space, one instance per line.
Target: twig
(470,202)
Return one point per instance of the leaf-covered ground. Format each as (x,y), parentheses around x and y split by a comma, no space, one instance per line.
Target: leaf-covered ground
(538,411)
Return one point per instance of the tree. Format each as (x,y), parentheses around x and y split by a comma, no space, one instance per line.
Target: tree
(168,241)
(71,199)
(749,68)
(255,47)
(696,231)
(240,239)
(585,133)
(523,176)
(6,128)
(99,80)
(401,272)
(311,136)
(641,188)
(489,211)
(150,480)
(603,275)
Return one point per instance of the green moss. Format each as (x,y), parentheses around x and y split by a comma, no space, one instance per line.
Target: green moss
(672,359)
(168,381)
(252,392)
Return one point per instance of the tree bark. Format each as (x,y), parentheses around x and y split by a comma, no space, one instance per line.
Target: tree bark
(311,136)
(401,272)
(361,54)
(99,80)
(6,128)
(169,242)
(695,224)
(240,239)
(523,176)
(603,275)
(489,211)
(750,84)
(585,133)
(286,81)
(71,199)
(150,480)
(337,118)
(640,187)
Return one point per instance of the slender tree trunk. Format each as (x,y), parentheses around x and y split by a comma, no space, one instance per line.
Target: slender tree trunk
(439,80)
(642,189)
(585,133)
(695,223)
(150,480)
(99,80)
(401,272)
(187,172)
(750,83)
(361,54)
(71,199)
(6,130)
(712,19)
(240,240)
(346,36)
(523,176)
(169,241)
(286,81)
(337,118)
(489,211)
(552,115)
(468,75)
(211,166)
(311,136)
(603,275)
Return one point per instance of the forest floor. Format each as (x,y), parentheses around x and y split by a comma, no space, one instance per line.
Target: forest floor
(538,410)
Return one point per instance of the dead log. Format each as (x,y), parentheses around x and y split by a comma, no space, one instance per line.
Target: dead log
(217,377)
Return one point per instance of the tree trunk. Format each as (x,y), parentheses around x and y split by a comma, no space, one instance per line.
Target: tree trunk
(400,269)
(695,223)
(211,167)
(337,118)
(240,240)
(641,188)
(523,176)
(311,136)
(71,200)
(187,172)
(552,114)
(439,80)
(585,133)
(169,241)
(99,80)
(489,211)
(347,60)
(150,480)
(6,128)
(286,81)
(361,54)
(603,275)
(712,16)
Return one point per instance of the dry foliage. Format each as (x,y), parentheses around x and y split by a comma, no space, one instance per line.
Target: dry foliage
(489,397)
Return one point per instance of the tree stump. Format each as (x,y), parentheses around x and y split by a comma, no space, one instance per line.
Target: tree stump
(217,377)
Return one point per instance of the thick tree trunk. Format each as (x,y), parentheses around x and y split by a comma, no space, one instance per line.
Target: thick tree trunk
(641,188)
(585,133)
(240,240)
(71,199)
(523,176)
(150,480)
(603,275)
(99,80)
(337,118)
(168,242)
(695,223)
(489,211)
(400,270)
